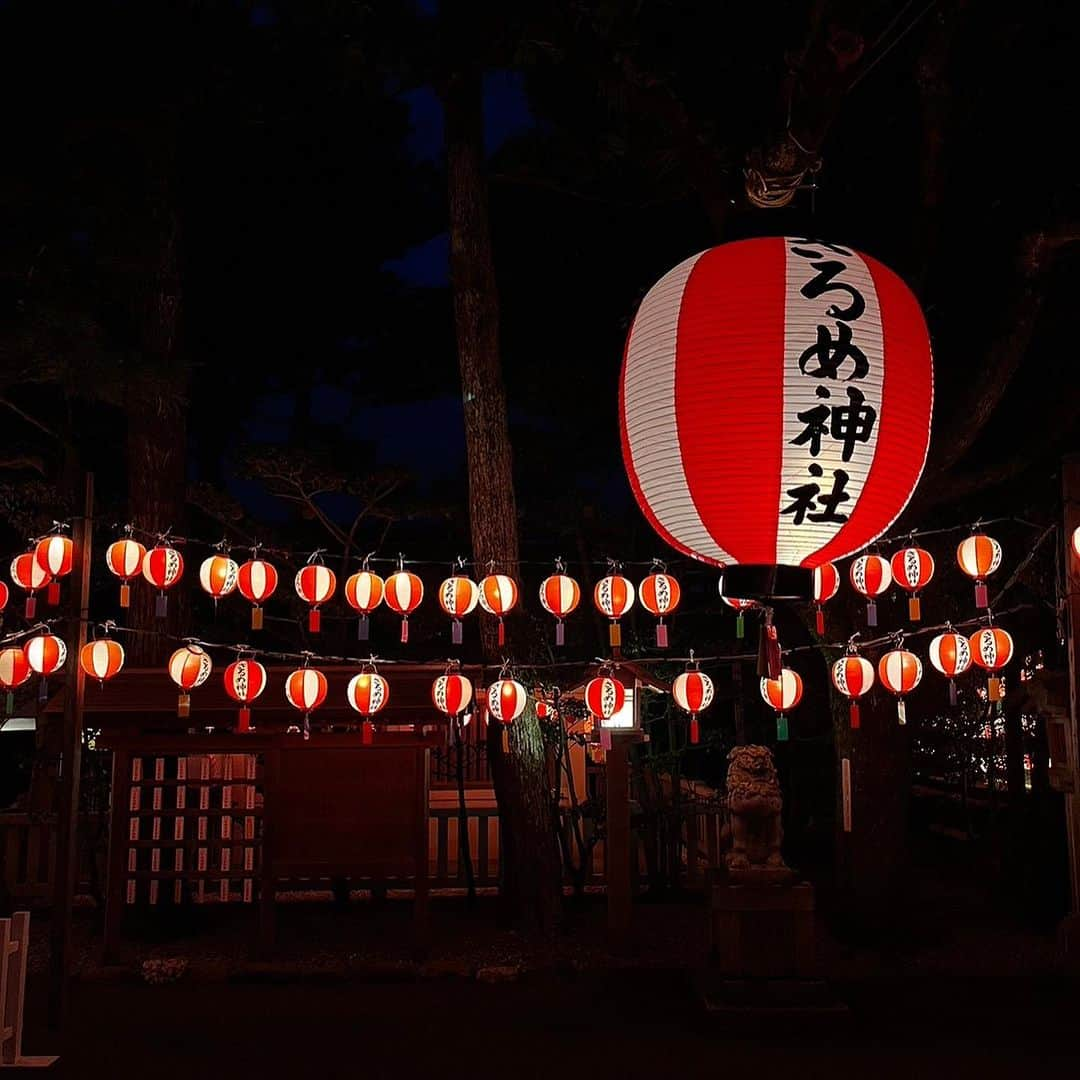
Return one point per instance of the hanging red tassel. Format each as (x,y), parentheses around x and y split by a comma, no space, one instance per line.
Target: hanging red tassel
(314,620)
(125,595)
(502,633)
(404,631)
(367,733)
(615,635)
(30,607)
(256,618)
(854,714)
(981,598)
(914,609)
(695,730)
(52,596)
(244,726)
(819,619)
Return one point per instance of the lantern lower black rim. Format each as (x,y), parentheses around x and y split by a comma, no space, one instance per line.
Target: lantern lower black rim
(763,582)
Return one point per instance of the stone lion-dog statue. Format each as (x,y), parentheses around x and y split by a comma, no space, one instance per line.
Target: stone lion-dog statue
(754,803)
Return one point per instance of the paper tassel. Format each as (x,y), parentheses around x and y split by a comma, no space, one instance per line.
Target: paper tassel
(363,628)
(871,613)
(914,608)
(845,789)
(30,607)
(367,733)
(256,618)
(901,711)
(455,632)
(314,620)
(125,595)
(245,721)
(661,636)
(505,739)
(740,626)
(854,714)
(52,594)
(615,635)
(161,606)
(952,692)
(695,730)
(183,704)
(781,728)
(994,689)
(405,630)
(560,633)
(502,633)
(819,620)
(43,692)
(981,599)
(9,703)
(605,738)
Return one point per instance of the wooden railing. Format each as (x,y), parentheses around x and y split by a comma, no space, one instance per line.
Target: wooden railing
(28,854)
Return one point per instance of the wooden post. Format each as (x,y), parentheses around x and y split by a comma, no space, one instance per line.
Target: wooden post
(67,816)
(1070,491)
(617,843)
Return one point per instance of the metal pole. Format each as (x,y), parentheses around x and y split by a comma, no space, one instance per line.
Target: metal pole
(67,816)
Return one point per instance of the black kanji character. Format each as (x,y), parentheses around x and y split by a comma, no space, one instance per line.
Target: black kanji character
(824,283)
(806,496)
(834,248)
(852,423)
(830,354)
(831,501)
(817,425)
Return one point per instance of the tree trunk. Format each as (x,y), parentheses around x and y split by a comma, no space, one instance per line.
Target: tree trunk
(531,888)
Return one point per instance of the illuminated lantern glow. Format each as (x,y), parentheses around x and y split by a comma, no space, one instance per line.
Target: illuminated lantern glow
(979,556)
(45,653)
(102,659)
(404,594)
(305,691)
(900,671)
(912,568)
(452,694)
(725,352)
(824,585)
(560,594)
(124,559)
(693,692)
(614,597)
(950,654)
(498,595)
(660,595)
(992,648)
(870,576)
(14,668)
(1076,542)
(4,597)
(458,597)
(257,580)
(244,680)
(26,572)
(604,697)
(189,667)
(315,584)
(853,676)
(782,694)
(55,555)
(740,607)
(163,567)
(367,693)
(218,576)
(506,700)
(364,593)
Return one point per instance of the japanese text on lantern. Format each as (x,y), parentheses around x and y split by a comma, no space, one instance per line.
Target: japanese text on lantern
(833,372)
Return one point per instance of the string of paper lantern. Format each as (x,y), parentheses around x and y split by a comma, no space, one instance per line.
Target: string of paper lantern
(979,556)
(458,597)
(244,681)
(403,595)
(614,597)
(560,594)
(363,593)
(900,671)
(693,692)
(368,693)
(912,568)
(498,596)
(783,694)
(257,581)
(659,594)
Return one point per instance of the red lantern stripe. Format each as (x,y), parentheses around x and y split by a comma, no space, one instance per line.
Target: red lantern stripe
(912,568)
(870,575)
(244,680)
(452,694)
(853,676)
(991,648)
(784,693)
(102,659)
(559,595)
(604,697)
(315,584)
(614,596)
(4,596)
(507,699)
(163,567)
(190,666)
(979,556)
(218,575)
(458,596)
(305,689)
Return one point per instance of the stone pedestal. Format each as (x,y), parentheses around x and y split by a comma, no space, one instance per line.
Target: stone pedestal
(761,929)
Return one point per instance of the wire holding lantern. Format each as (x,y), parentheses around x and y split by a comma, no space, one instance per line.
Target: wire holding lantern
(404,594)
(693,692)
(782,694)
(614,597)
(363,593)
(659,594)
(368,693)
(458,597)
(853,676)
(560,594)
(979,556)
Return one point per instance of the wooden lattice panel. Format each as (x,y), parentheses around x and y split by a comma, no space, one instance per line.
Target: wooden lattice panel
(194,827)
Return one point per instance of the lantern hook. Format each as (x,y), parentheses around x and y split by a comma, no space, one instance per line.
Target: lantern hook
(659,566)
(365,563)
(852,647)
(316,556)
(307,656)
(400,561)
(452,666)
(560,565)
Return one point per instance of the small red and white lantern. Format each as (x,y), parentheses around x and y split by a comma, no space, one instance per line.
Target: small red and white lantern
(124,558)
(14,670)
(560,594)
(315,584)
(458,597)
(363,593)
(404,594)
(452,694)
(912,568)
(604,697)
(740,607)
(55,555)
(218,576)
(506,701)
(979,556)
(660,594)
(824,585)
(693,692)
(257,579)
(992,648)
(367,693)
(189,667)
(245,680)
(950,654)
(871,576)
(498,596)
(782,694)
(27,573)
(4,597)
(102,659)
(45,653)
(900,671)
(163,567)
(614,597)
(305,691)
(853,676)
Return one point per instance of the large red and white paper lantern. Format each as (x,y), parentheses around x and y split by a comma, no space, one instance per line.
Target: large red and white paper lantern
(55,555)
(992,648)
(257,579)
(789,378)
(783,694)
(824,585)
(870,576)
(979,556)
(614,597)
(218,576)
(315,584)
(163,567)
(498,595)
(912,568)
(452,694)
(189,667)
(14,669)
(458,597)
(404,594)
(45,653)
(950,654)
(506,700)
(124,559)
(367,693)
(102,659)
(27,573)
(560,594)
(659,594)
(853,676)
(900,671)
(363,593)
(244,680)
(693,693)
(305,691)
